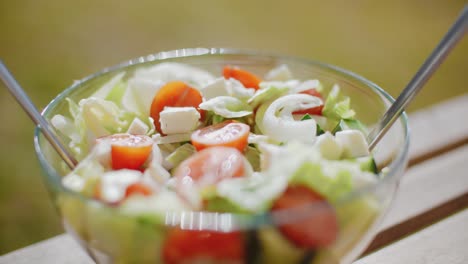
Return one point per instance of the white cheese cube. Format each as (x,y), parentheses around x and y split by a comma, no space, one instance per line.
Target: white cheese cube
(214,89)
(353,142)
(177,120)
(137,127)
(329,147)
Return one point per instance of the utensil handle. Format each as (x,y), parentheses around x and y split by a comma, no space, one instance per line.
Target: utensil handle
(20,96)
(455,34)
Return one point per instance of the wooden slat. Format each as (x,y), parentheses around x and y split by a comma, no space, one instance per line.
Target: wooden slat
(428,192)
(438,129)
(60,249)
(443,243)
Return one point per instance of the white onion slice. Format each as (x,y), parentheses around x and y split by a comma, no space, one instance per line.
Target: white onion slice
(279,123)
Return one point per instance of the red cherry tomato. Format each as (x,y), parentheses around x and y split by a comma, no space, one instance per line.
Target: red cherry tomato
(314,110)
(317,228)
(191,246)
(248,79)
(174,94)
(129,151)
(228,134)
(210,166)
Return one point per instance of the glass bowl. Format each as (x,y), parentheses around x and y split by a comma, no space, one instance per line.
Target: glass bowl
(112,236)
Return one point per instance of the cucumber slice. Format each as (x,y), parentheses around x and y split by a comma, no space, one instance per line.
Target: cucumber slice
(367,164)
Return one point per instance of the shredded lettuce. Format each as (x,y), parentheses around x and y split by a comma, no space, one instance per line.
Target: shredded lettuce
(336,109)
(111,89)
(271,92)
(250,194)
(253,157)
(139,94)
(317,176)
(347,124)
(333,179)
(227,107)
(93,118)
(180,154)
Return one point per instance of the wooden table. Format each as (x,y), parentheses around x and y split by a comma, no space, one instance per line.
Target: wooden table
(428,222)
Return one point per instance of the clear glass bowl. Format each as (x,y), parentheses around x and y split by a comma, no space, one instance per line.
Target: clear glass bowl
(110,236)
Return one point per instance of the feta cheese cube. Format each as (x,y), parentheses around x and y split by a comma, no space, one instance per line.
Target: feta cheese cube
(177,120)
(214,89)
(137,127)
(329,146)
(353,142)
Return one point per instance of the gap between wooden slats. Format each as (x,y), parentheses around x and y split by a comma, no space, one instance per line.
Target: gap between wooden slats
(441,243)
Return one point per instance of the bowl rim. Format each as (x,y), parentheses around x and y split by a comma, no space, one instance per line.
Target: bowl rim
(400,160)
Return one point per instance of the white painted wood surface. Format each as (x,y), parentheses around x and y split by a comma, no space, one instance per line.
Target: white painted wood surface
(440,175)
(61,249)
(439,126)
(428,185)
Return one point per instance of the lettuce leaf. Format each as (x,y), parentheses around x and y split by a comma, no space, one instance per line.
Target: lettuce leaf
(111,89)
(181,154)
(317,176)
(336,109)
(93,118)
(227,107)
(267,94)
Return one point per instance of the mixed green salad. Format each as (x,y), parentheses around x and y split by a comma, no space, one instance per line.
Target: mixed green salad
(176,138)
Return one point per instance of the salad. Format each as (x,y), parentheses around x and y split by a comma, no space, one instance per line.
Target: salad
(188,155)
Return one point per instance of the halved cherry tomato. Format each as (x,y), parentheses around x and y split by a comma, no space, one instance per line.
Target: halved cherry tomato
(228,134)
(248,79)
(138,188)
(193,246)
(314,110)
(210,166)
(175,94)
(129,151)
(318,224)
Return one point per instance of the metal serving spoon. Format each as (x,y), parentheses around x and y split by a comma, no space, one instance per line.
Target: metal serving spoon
(23,99)
(451,38)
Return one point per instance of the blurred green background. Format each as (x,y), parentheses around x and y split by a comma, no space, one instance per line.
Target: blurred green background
(48,44)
